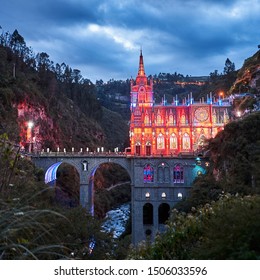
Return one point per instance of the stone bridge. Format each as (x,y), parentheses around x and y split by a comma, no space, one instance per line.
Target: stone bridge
(157,183)
(86,166)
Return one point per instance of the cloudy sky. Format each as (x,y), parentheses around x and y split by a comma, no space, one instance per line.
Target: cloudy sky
(102,38)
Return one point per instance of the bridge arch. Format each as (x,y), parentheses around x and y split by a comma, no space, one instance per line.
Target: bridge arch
(91,179)
(51,172)
(64,177)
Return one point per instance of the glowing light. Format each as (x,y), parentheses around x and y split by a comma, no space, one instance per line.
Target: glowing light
(179,195)
(30,124)
(147,195)
(163,195)
(51,173)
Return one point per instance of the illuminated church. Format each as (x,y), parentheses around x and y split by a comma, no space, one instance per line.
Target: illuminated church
(170,129)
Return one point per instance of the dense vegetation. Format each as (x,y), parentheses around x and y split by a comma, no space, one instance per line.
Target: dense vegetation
(33,224)
(225,229)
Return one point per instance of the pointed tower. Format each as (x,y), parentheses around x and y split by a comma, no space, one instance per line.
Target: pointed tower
(141,92)
(141,78)
(141,112)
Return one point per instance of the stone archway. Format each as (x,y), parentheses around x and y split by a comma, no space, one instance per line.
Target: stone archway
(64,177)
(108,185)
(148,214)
(163,213)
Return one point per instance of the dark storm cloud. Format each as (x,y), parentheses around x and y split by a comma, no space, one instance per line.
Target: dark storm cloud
(103,38)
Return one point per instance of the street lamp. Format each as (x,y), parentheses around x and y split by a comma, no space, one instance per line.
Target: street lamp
(30,125)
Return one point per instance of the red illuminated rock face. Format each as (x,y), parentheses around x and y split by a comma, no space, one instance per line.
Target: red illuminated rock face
(36,127)
(170,129)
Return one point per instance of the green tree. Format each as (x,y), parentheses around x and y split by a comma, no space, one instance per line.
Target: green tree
(229,67)
(226,229)
(235,155)
(33,225)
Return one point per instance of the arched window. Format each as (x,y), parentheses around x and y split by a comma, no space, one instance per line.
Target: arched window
(186,141)
(163,173)
(148,148)
(137,112)
(148,173)
(159,120)
(178,174)
(214,117)
(173,142)
(148,214)
(171,119)
(183,119)
(202,140)
(146,120)
(160,142)
(163,213)
(138,149)
(226,116)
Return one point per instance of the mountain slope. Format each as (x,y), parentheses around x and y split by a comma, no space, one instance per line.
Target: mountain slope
(248,77)
(65,114)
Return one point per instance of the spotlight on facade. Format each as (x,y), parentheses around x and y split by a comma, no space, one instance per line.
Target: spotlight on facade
(163,195)
(147,195)
(198,161)
(179,196)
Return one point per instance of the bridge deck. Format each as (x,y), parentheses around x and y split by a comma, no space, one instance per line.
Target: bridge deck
(108,155)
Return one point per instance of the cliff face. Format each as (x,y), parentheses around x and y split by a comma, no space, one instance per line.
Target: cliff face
(248,78)
(64,126)
(42,129)
(64,114)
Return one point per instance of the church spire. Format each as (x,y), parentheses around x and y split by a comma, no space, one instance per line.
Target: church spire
(141,65)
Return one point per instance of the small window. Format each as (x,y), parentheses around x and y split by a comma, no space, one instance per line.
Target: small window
(163,173)
(160,142)
(171,119)
(178,174)
(138,149)
(148,173)
(186,141)
(148,148)
(147,120)
(173,142)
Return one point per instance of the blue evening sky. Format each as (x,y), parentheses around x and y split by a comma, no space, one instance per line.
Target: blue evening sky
(103,38)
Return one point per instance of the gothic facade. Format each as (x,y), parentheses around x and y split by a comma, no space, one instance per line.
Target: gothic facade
(170,129)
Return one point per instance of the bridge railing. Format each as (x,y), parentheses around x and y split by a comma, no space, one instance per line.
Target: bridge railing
(75,154)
